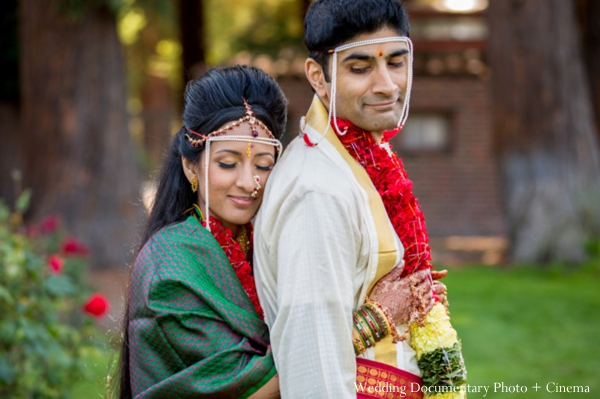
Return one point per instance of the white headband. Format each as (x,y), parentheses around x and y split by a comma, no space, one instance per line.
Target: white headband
(248,139)
(332,107)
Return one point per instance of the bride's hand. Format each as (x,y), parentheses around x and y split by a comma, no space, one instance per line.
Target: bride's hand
(395,295)
(438,286)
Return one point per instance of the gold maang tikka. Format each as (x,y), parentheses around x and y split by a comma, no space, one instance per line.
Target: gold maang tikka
(252,123)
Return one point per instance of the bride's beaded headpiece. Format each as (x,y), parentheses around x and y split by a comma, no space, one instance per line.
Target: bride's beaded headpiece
(219,135)
(248,117)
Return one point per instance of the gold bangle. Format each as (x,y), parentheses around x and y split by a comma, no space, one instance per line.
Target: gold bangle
(378,310)
(382,321)
(359,346)
(370,335)
(380,327)
(381,311)
(371,321)
(360,327)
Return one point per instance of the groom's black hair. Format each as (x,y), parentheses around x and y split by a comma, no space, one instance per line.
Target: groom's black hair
(329,23)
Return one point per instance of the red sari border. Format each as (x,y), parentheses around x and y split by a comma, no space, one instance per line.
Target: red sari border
(380,380)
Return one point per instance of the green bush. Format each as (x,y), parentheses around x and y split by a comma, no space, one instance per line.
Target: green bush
(47,329)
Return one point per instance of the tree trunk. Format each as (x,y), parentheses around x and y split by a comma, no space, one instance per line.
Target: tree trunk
(10,153)
(191,14)
(544,132)
(10,160)
(78,155)
(158,114)
(590,23)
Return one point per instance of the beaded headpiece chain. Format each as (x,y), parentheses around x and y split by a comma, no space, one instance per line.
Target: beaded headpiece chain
(248,117)
(219,135)
(332,114)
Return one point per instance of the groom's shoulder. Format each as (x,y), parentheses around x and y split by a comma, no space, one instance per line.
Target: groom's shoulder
(309,166)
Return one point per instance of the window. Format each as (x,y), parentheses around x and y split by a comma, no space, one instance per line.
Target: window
(424,132)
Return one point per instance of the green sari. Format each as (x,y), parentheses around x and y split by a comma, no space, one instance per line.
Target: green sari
(193,332)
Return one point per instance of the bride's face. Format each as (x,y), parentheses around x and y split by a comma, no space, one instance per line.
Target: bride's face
(233,172)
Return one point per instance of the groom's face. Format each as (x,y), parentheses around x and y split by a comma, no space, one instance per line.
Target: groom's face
(371,82)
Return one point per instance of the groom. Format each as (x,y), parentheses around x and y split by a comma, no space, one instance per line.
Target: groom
(331,224)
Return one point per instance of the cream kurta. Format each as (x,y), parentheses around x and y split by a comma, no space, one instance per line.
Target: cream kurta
(322,239)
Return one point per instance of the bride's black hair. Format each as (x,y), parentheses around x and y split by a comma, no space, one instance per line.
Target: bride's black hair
(211,101)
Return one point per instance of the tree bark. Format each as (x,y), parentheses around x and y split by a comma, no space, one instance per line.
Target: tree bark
(544,131)
(589,11)
(158,114)
(191,14)
(78,155)
(10,160)
(10,153)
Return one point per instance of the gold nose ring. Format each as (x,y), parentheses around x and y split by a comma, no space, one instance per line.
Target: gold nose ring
(257,188)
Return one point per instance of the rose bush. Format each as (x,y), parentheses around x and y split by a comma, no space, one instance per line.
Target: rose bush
(47,329)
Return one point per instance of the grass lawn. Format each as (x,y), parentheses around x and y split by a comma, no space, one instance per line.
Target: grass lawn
(526,326)
(98,367)
(519,326)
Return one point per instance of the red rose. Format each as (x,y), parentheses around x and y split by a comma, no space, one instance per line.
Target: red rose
(56,264)
(49,224)
(96,305)
(71,246)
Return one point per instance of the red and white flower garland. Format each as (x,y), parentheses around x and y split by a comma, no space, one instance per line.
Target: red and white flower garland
(238,258)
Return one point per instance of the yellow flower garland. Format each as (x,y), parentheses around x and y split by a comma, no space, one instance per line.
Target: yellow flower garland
(436,334)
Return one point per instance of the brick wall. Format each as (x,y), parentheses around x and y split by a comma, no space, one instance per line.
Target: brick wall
(458,189)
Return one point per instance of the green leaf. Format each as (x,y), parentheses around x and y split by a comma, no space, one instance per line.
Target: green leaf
(5,296)
(23,201)
(7,332)
(59,286)
(443,367)
(33,262)
(4,212)
(7,371)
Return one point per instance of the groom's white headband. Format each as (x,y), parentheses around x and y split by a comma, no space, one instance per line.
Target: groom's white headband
(332,107)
